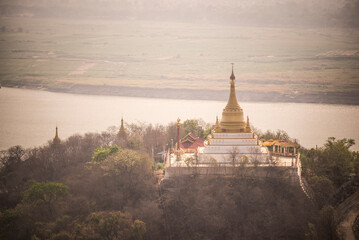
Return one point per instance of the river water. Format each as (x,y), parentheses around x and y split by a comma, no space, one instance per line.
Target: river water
(29,117)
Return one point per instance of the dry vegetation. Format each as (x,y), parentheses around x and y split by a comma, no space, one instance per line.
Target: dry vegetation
(82,188)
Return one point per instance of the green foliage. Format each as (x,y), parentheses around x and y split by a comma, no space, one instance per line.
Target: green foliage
(222,207)
(190,161)
(356,227)
(102,153)
(160,166)
(131,173)
(197,127)
(114,225)
(338,159)
(278,135)
(45,193)
(328,219)
(243,161)
(139,229)
(323,189)
(123,161)
(356,163)
(63,235)
(334,161)
(10,159)
(312,232)
(8,222)
(191,125)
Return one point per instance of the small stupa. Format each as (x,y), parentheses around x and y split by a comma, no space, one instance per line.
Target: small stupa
(56,140)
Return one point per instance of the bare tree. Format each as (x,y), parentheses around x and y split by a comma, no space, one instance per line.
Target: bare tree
(243,161)
(255,156)
(234,156)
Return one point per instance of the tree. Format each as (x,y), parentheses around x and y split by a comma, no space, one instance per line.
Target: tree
(255,156)
(154,138)
(323,189)
(243,161)
(102,153)
(190,161)
(337,159)
(312,232)
(334,161)
(45,193)
(191,125)
(328,219)
(131,172)
(10,158)
(278,135)
(197,127)
(113,225)
(234,156)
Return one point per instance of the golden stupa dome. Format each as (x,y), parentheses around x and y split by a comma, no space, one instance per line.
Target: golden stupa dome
(232,116)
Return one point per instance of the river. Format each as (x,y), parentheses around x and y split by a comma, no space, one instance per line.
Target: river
(28,117)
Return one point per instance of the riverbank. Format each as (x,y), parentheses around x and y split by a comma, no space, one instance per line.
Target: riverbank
(343,98)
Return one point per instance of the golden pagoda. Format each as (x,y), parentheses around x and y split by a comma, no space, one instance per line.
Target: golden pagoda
(232,116)
(232,135)
(56,140)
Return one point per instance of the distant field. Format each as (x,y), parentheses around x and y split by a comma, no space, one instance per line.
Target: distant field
(306,65)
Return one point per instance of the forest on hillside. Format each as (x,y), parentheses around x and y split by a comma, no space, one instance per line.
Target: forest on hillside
(86,187)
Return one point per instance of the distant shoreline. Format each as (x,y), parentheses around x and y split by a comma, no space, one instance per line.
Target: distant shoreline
(339,98)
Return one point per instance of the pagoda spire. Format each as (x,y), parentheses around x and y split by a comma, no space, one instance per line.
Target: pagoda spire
(57,140)
(232,100)
(122,128)
(248,126)
(121,138)
(216,125)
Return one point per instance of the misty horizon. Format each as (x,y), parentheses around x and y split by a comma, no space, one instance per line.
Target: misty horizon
(275,13)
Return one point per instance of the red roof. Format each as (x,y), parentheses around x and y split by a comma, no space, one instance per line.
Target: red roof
(191,141)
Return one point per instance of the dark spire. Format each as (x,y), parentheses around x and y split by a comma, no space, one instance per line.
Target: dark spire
(56,138)
(232,75)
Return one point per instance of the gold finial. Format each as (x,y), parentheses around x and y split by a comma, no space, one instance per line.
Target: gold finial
(247,120)
(178,121)
(232,75)
(217,122)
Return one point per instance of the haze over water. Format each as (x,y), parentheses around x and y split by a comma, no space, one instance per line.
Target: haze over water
(29,117)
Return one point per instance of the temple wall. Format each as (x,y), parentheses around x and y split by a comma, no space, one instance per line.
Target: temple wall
(233,135)
(288,173)
(229,141)
(227,158)
(230,149)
